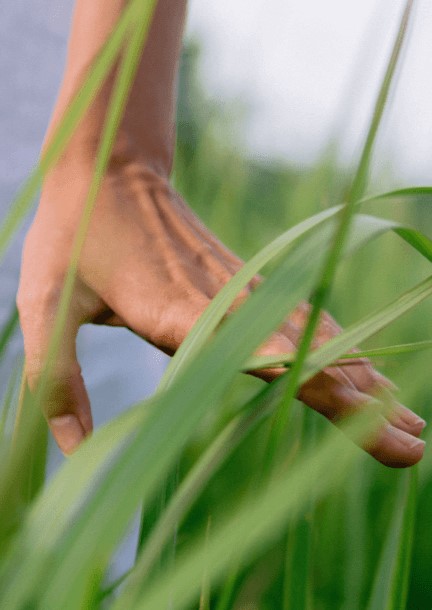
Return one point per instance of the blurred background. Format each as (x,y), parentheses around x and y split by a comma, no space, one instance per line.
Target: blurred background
(274,99)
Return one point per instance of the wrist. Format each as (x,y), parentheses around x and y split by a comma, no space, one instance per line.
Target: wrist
(82,149)
(72,173)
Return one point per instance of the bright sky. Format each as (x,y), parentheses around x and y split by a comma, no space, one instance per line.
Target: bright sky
(298,63)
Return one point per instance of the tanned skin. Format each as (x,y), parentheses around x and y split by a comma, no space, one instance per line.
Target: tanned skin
(148,263)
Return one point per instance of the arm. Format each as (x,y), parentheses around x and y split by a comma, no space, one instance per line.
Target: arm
(148,263)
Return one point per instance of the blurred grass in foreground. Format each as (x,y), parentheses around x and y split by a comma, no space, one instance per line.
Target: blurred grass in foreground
(333,529)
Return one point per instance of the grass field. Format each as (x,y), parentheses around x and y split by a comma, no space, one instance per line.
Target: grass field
(318,524)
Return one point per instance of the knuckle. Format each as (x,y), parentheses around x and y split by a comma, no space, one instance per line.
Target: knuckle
(59,377)
(175,322)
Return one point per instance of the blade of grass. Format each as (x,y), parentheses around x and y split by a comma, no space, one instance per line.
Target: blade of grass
(363,225)
(169,420)
(8,330)
(356,537)
(264,362)
(32,476)
(72,116)
(257,522)
(322,289)
(213,315)
(124,80)
(390,589)
(401,194)
(80,530)
(294,271)
(98,71)
(142,14)
(29,480)
(7,403)
(297,576)
(257,409)
(228,589)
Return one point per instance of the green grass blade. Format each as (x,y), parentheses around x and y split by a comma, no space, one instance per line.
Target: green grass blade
(220,449)
(29,438)
(401,194)
(356,537)
(297,588)
(264,362)
(322,289)
(124,80)
(8,400)
(76,110)
(8,330)
(369,325)
(217,309)
(31,477)
(270,397)
(115,112)
(390,588)
(257,522)
(399,593)
(22,477)
(152,437)
(175,418)
(228,589)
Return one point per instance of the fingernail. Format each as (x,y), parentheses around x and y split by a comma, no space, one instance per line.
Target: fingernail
(67,432)
(406,439)
(409,417)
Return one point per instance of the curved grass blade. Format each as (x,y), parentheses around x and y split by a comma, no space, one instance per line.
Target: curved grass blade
(175,418)
(214,313)
(370,325)
(101,470)
(412,191)
(323,286)
(260,407)
(218,371)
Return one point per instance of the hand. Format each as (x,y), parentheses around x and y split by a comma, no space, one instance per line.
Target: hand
(150,265)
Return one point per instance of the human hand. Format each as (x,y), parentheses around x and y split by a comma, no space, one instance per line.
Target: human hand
(150,265)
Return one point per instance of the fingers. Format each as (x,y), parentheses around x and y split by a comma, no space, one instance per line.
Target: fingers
(395,448)
(395,443)
(398,415)
(334,395)
(65,403)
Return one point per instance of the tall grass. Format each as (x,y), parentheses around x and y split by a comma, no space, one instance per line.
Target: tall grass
(322,532)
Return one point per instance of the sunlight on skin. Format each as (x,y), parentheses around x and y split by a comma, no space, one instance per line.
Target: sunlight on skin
(148,263)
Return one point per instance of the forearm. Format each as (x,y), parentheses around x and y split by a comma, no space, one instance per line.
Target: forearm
(148,125)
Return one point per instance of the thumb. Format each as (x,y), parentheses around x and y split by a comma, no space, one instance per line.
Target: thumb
(65,402)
